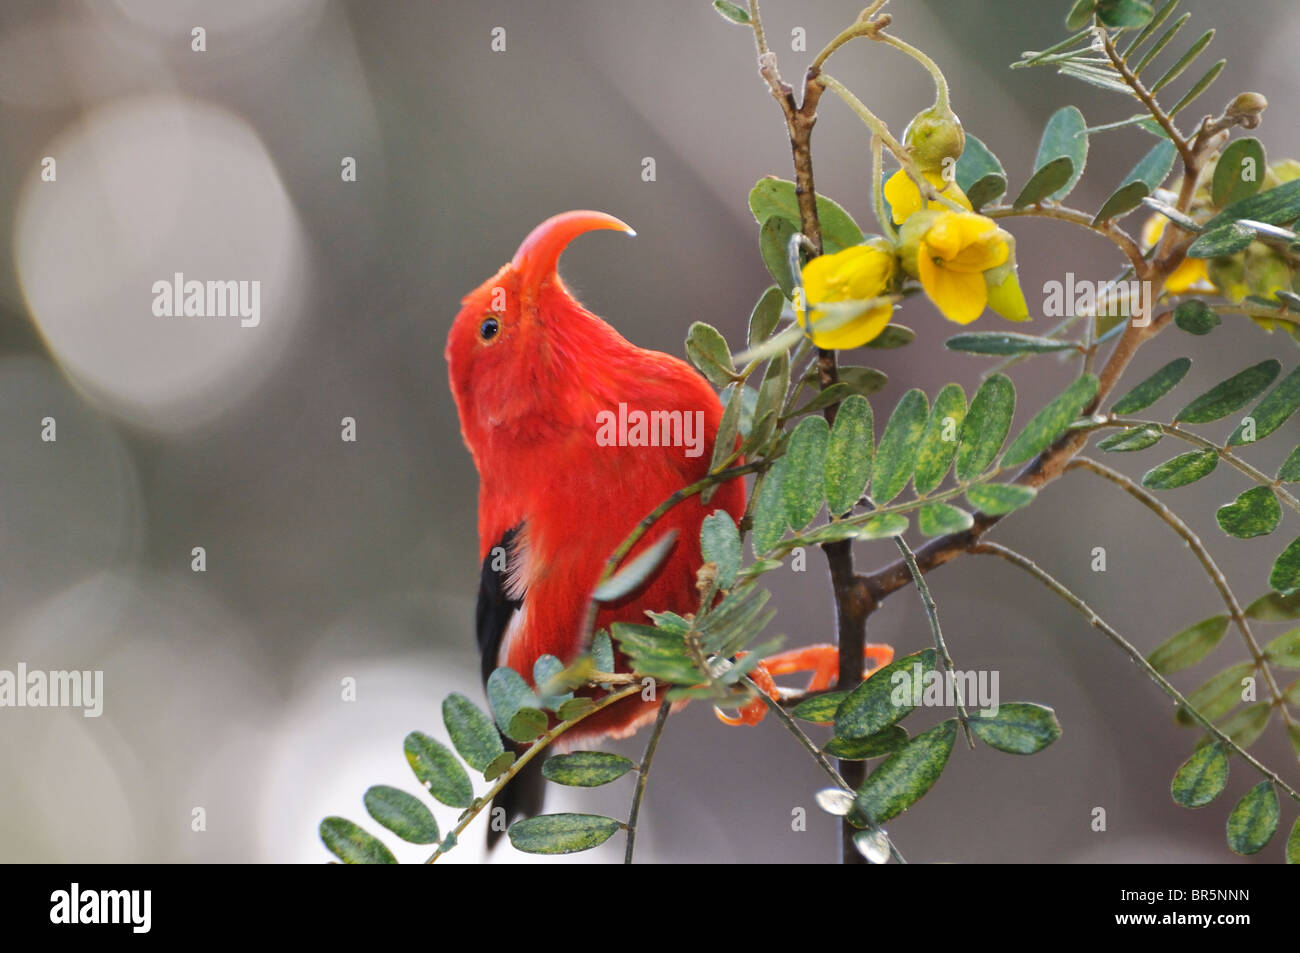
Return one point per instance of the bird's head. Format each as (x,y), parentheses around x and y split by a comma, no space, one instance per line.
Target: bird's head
(512,347)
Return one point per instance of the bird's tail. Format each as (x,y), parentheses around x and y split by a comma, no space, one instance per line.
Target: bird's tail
(522,797)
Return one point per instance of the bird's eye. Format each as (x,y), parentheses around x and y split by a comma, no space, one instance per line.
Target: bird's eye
(488,329)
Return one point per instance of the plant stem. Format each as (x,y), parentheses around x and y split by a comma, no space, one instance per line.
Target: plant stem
(1172,520)
(802,737)
(1029,566)
(932,613)
(643,775)
(476,807)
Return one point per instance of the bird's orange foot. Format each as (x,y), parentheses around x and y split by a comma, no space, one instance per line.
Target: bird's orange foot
(823,661)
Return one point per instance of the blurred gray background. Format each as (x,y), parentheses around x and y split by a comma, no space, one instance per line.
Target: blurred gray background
(329,560)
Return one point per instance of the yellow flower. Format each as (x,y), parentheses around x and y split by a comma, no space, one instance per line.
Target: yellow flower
(905,198)
(952,256)
(860,273)
(1191,275)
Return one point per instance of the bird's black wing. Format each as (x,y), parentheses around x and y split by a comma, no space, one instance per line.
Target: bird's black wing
(498,606)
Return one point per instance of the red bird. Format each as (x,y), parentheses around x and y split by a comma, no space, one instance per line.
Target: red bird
(533,375)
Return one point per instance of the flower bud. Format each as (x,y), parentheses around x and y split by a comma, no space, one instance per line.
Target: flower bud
(933,137)
(1246,110)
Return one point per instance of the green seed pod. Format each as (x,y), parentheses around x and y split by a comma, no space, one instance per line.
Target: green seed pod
(934,137)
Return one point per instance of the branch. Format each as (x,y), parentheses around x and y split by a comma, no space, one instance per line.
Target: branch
(1172,520)
(643,775)
(476,807)
(932,614)
(1029,566)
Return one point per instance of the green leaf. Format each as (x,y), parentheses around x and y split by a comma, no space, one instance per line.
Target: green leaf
(1221,241)
(602,652)
(1239,172)
(1219,694)
(1051,422)
(1293,844)
(1230,395)
(1273,411)
(1285,649)
(979,173)
(765,316)
(471,731)
(1183,61)
(863,380)
(1154,387)
(1274,607)
(1202,777)
(586,769)
(1018,728)
(720,545)
(1200,86)
(1255,512)
(1196,317)
(769,510)
(1135,438)
(907,774)
(894,336)
(1145,178)
(1277,206)
(939,440)
(1181,470)
(1051,178)
(820,709)
(352,845)
(708,351)
(941,519)
(1006,342)
(848,454)
(507,692)
(1285,577)
(732,12)
(724,442)
(1080,14)
(896,454)
(438,770)
(502,762)
(879,527)
(1124,14)
(986,425)
(1189,646)
(823,398)
(883,742)
(871,706)
(774,248)
(775,198)
(403,814)
(998,499)
(636,570)
(1253,821)
(575,707)
(1065,136)
(805,470)
(1289,472)
(1245,725)
(561,833)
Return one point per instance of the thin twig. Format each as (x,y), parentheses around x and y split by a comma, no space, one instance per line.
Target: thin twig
(1029,566)
(801,736)
(932,613)
(643,775)
(534,749)
(1174,522)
